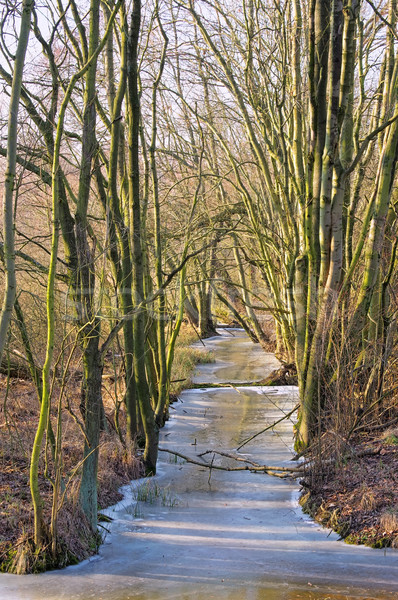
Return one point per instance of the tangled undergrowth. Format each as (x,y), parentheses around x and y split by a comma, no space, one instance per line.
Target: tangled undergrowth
(356,494)
(19,410)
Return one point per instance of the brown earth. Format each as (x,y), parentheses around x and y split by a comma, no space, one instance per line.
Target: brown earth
(18,421)
(357,495)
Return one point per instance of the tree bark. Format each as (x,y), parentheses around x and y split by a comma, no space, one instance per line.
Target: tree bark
(8,202)
(151,429)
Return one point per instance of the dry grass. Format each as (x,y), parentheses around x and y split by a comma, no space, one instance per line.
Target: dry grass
(389,524)
(367,500)
(390,436)
(389,519)
(18,421)
(116,466)
(186,358)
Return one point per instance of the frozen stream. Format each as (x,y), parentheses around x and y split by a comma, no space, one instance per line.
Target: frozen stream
(236,536)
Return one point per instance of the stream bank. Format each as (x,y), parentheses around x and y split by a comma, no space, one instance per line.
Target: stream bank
(238,536)
(356,493)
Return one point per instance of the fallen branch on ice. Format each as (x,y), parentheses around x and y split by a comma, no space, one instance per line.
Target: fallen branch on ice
(281,472)
(286,416)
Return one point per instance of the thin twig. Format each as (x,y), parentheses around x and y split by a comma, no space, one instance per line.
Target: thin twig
(289,414)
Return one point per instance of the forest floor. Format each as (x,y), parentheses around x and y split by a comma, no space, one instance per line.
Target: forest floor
(18,423)
(357,495)
(19,410)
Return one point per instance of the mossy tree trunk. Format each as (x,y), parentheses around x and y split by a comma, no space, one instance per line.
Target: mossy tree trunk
(151,429)
(117,192)
(91,396)
(10,173)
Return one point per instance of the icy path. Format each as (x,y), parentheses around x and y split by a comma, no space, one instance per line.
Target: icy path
(236,536)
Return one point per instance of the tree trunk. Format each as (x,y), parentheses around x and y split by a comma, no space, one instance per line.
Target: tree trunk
(8,202)
(92,401)
(150,427)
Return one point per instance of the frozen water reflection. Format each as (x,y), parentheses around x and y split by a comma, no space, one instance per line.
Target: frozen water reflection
(235,536)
